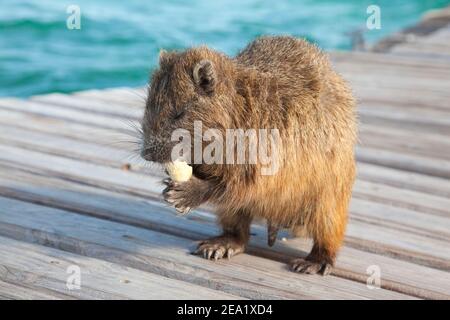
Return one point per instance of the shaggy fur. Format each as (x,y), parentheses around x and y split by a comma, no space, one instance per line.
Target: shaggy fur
(276,82)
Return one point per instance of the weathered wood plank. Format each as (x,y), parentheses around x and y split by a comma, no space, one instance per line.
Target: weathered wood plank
(9,291)
(133,183)
(369,211)
(102,154)
(103,137)
(430,166)
(424,48)
(144,185)
(404,179)
(59,127)
(133,97)
(61,112)
(413,200)
(150,251)
(45,269)
(411,114)
(91,105)
(391,87)
(113,154)
(388,61)
(136,211)
(120,145)
(411,127)
(99,153)
(425,144)
(87,173)
(436,167)
(395,140)
(374,139)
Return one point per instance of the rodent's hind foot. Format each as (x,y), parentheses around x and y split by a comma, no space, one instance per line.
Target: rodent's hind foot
(311,267)
(219,247)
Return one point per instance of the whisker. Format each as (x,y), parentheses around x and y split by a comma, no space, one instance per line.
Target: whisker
(143,97)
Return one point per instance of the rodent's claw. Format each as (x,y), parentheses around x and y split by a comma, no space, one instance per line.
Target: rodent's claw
(219,247)
(183,210)
(176,195)
(311,267)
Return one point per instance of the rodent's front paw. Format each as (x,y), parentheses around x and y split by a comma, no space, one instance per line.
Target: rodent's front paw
(178,195)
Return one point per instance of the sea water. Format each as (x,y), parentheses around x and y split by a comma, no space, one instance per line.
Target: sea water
(117,42)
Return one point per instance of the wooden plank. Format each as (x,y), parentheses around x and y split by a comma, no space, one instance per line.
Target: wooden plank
(61,112)
(428,49)
(391,65)
(413,128)
(133,97)
(91,105)
(433,167)
(370,155)
(41,187)
(425,144)
(148,186)
(104,154)
(399,81)
(138,212)
(426,77)
(60,129)
(411,114)
(116,155)
(404,179)
(150,251)
(430,166)
(44,268)
(113,140)
(376,139)
(388,60)
(143,185)
(401,99)
(394,217)
(413,200)
(87,173)
(71,169)
(9,291)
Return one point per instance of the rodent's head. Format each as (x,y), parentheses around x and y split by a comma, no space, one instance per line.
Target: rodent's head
(194,85)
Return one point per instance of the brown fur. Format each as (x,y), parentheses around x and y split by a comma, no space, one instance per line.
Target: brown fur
(276,82)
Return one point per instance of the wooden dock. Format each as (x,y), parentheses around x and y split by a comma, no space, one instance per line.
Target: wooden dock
(68,200)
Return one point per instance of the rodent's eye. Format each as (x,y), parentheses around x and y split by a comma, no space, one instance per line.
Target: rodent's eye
(179,114)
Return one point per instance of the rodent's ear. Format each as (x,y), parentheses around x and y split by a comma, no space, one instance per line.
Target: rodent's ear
(164,57)
(205,76)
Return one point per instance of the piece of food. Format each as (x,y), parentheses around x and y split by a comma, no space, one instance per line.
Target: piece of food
(179,171)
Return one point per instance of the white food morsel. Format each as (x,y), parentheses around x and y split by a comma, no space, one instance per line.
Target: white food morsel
(179,171)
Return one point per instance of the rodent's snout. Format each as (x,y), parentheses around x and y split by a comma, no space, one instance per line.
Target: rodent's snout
(147,154)
(157,151)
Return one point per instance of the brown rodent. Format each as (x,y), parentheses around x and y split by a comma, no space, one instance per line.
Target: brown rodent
(275,82)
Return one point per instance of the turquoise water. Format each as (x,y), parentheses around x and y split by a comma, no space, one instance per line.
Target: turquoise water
(118,42)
